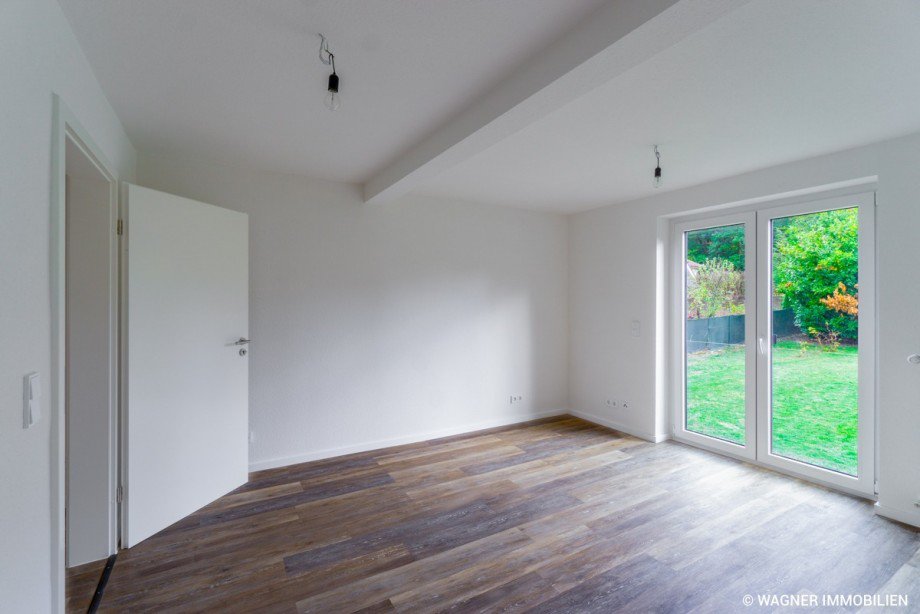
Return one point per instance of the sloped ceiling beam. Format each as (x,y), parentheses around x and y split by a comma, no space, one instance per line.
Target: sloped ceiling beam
(617,37)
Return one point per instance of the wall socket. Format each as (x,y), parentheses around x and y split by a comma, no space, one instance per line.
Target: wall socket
(516,398)
(613,403)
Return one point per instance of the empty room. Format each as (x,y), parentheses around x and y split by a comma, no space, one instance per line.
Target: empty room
(470,305)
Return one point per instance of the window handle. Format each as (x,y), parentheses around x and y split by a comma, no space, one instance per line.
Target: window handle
(763,346)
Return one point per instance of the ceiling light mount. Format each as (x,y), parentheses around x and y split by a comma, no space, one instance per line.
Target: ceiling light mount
(657,175)
(332,101)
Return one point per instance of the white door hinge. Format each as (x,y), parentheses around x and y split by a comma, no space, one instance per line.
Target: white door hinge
(119,494)
(120,227)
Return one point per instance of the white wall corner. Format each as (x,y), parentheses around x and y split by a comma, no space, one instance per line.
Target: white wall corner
(656,437)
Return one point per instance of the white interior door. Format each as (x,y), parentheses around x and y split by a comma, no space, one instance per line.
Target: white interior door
(187,380)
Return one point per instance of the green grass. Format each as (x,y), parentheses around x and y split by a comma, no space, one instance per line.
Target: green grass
(814,401)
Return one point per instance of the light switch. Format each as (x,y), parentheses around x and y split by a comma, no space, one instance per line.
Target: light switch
(31,400)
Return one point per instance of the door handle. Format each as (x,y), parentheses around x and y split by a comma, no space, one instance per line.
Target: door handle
(242,341)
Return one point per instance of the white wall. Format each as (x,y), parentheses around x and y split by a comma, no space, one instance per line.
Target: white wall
(610,287)
(379,324)
(38,55)
(614,263)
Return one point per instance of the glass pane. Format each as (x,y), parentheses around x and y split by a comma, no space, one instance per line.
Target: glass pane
(714,344)
(815,306)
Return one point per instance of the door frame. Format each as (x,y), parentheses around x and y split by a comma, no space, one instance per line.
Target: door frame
(65,127)
(860,192)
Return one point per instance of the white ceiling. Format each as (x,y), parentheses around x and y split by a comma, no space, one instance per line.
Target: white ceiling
(240,82)
(770,82)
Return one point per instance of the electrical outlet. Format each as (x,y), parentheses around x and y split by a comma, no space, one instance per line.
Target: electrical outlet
(625,404)
(516,398)
(611,403)
(917,502)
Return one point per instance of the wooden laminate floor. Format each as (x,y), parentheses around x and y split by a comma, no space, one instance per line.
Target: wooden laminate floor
(556,516)
(81,584)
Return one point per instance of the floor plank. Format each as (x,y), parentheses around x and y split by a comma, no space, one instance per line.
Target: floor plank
(559,515)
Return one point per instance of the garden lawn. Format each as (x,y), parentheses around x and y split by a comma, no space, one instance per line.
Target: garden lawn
(814,401)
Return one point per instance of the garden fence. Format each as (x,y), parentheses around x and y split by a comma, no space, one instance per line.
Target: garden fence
(723,331)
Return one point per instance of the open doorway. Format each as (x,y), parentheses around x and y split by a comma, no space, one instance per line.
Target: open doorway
(86,380)
(137,449)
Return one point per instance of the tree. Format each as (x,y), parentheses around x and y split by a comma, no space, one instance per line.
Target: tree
(724,242)
(815,261)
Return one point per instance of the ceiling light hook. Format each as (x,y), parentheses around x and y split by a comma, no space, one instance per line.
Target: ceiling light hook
(325,56)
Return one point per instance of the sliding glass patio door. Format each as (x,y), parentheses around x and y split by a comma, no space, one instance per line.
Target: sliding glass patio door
(774,338)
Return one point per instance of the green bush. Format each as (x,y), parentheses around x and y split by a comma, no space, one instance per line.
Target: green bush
(813,255)
(717,290)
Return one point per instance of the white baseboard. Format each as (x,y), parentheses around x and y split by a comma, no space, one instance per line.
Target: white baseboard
(654,438)
(378,444)
(911,517)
